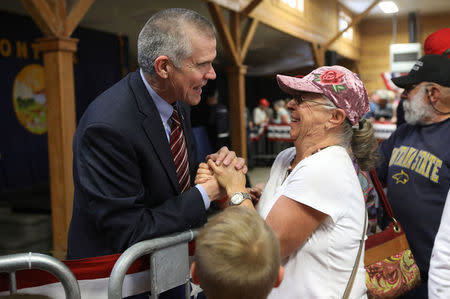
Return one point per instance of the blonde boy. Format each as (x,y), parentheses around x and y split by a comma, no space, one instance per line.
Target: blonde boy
(237,256)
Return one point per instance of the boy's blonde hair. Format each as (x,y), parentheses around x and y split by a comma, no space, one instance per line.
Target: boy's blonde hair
(237,256)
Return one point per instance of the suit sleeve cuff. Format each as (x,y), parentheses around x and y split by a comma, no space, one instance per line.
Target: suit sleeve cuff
(205,196)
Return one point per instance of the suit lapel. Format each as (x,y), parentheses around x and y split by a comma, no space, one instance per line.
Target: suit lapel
(153,127)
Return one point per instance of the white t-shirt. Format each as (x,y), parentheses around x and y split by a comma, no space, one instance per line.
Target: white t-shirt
(327,182)
(259,116)
(439,273)
(280,113)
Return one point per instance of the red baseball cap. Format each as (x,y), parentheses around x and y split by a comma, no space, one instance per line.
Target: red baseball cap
(437,42)
(264,102)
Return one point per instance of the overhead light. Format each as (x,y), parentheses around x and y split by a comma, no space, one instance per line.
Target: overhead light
(388,7)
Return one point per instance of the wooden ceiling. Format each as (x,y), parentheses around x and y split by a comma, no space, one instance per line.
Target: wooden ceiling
(271,51)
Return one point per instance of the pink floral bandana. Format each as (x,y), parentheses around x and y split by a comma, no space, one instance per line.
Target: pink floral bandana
(340,85)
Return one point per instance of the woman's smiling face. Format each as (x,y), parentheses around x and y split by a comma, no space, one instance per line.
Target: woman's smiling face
(309,114)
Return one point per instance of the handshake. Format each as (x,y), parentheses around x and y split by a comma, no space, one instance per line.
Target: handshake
(224,175)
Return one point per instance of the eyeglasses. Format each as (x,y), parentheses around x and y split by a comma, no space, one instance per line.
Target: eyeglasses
(300,100)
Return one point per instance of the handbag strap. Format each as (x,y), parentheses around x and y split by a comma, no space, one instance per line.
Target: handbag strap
(381,193)
(348,289)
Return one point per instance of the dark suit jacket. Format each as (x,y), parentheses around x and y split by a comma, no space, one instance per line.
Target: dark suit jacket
(126,187)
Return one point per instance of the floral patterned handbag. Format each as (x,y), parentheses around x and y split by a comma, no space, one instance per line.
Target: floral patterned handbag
(391,270)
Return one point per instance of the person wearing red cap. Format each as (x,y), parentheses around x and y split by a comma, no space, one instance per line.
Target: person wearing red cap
(415,162)
(438,284)
(438,42)
(313,199)
(260,116)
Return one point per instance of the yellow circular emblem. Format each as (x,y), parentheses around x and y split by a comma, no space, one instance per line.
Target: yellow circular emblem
(29,99)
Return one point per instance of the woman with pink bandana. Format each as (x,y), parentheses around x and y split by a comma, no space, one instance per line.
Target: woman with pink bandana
(313,200)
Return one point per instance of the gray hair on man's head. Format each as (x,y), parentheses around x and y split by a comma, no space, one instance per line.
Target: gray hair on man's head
(166,33)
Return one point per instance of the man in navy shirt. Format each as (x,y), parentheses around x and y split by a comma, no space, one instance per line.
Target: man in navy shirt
(416,158)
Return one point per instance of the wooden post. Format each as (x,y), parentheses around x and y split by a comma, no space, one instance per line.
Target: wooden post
(236,50)
(57,24)
(59,89)
(236,85)
(318,54)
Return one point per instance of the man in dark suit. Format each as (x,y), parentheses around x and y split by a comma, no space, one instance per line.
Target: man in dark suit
(126,184)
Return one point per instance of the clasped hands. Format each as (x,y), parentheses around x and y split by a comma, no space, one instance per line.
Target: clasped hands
(224,174)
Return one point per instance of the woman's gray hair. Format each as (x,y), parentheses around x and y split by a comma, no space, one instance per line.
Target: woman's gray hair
(361,140)
(166,33)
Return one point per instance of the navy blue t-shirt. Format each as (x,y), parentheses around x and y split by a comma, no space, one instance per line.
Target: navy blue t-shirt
(415,169)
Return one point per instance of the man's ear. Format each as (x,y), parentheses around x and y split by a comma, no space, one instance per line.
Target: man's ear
(337,117)
(162,66)
(433,93)
(279,278)
(194,273)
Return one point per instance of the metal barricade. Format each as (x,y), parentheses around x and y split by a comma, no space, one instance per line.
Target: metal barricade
(267,142)
(169,264)
(22,261)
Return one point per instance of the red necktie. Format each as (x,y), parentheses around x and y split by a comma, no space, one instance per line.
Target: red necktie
(179,151)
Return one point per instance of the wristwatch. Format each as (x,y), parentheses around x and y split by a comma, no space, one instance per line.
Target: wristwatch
(238,197)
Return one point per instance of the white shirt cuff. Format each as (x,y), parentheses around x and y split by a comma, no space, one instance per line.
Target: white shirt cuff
(205,196)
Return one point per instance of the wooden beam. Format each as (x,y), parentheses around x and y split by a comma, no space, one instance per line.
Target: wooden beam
(60,95)
(234,5)
(76,14)
(249,8)
(223,31)
(248,35)
(60,12)
(58,50)
(354,21)
(318,54)
(231,41)
(236,90)
(235,31)
(43,16)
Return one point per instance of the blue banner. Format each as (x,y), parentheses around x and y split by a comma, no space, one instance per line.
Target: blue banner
(101,60)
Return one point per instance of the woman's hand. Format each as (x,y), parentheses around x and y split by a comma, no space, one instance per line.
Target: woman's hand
(205,177)
(225,156)
(229,177)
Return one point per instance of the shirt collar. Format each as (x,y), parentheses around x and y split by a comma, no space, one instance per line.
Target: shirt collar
(165,110)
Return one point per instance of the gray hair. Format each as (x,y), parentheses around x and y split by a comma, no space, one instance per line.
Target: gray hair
(280,103)
(360,139)
(166,33)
